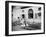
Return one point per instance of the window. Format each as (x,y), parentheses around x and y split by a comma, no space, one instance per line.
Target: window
(23,16)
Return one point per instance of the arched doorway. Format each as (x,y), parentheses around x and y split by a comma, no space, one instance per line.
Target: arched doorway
(30,13)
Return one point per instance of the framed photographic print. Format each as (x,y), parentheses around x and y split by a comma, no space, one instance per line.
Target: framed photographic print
(24,18)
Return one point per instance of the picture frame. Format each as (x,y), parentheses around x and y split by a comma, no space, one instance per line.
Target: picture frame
(9,16)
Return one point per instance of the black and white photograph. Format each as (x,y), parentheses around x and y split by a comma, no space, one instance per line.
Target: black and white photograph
(25,18)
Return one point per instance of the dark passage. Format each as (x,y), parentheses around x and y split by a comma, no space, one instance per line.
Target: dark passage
(30,13)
